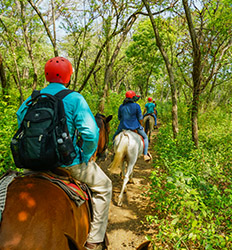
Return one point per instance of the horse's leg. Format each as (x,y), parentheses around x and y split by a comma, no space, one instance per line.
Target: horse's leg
(123,169)
(126,179)
(151,126)
(131,181)
(123,173)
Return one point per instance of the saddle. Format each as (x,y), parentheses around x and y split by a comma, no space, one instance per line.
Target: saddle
(149,114)
(78,192)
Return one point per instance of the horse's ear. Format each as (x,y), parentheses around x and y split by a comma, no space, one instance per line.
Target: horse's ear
(144,246)
(108,118)
(71,242)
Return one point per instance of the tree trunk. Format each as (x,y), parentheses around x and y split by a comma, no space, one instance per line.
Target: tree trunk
(106,80)
(3,79)
(53,41)
(195,105)
(92,67)
(77,65)
(147,81)
(54,28)
(169,69)
(196,74)
(110,65)
(29,48)
(125,29)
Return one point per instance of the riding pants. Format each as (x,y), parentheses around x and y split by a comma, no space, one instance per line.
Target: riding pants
(155,119)
(101,187)
(145,138)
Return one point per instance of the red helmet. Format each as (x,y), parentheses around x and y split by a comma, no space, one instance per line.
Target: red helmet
(58,69)
(130,94)
(149,99)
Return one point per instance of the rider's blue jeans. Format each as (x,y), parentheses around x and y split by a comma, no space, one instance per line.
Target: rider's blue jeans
(155,119)
(142,133)
(145,138)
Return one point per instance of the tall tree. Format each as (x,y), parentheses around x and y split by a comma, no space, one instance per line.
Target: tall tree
(3,78)
(121,24)
(145,59)
(47,24)
(28,44)
(169,68)
(209,46)
(111,61)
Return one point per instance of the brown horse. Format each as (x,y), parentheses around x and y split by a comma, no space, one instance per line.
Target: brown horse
(149,123)
(103,124)
(39,215)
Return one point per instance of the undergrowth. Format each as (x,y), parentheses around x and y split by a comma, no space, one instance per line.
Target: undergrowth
(191,188)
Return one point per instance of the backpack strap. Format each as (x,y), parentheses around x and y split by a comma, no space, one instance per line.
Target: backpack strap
(61,94)
(35,93)
(61,113)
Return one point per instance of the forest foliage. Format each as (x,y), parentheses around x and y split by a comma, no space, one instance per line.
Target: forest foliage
(191,189)
(179,53)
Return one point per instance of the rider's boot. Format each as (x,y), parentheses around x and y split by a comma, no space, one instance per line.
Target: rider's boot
(147,157)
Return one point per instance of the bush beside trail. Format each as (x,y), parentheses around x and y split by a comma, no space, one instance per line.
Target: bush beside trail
(191,189)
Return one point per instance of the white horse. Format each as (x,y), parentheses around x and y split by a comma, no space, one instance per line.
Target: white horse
(128,146)
(149,123)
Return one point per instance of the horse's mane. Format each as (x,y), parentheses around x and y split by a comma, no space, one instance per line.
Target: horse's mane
(98,118)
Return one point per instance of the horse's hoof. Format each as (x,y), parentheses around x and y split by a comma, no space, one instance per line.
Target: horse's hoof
(131,181)
(119,203)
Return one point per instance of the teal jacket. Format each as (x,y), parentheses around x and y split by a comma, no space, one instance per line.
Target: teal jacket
(150,107)
(79,116)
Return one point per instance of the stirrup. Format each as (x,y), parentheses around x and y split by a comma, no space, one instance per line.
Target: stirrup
(149,154)
(98,247)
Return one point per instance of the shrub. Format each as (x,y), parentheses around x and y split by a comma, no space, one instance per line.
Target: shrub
(191,188)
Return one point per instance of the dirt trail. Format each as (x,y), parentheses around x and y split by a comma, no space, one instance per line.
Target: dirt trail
(125,229)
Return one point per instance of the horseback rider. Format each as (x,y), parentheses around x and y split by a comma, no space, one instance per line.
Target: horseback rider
(150,110)
(130,117)
(58,73)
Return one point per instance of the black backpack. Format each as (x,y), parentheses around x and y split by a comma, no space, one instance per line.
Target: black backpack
(42,142)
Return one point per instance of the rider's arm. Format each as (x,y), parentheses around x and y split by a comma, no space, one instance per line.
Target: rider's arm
(139,114)
(86,125)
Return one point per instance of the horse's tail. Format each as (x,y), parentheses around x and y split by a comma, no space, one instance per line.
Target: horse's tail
(147,125)
(120,152)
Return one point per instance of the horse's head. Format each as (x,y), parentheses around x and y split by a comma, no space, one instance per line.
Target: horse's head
(104,126)
(102,119)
